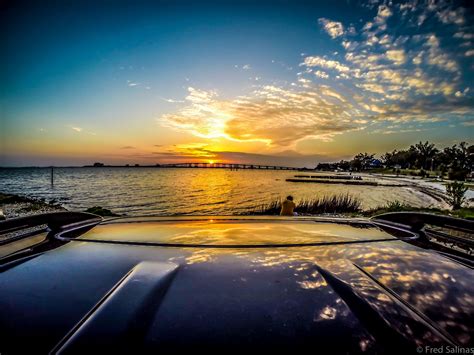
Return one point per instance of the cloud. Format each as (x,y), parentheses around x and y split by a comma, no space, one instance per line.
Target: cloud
(273,115)
(315,61)
(437,57)
(243,67)
(127,147)
(464,35)
(399,131)
(321,74)
(383,12)
(455,16)
(304,82)
(333,28)
(462,93)
(203,116)
(81,130)
(421,19)
(389,75)
(418,59)
(171,100)
(132,84)
(199,152)
(397,56)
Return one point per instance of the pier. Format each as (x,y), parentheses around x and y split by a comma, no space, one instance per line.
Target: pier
(202,165)
(231,166)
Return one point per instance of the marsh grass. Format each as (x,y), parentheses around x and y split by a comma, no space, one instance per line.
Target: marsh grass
(397,206)
(343,203)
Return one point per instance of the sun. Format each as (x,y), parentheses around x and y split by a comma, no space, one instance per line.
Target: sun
(211,162)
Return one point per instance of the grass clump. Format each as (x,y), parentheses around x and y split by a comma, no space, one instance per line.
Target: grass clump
(456,191)
(320,205)
(397,206)
(100,211)
(466,213)
(351,206)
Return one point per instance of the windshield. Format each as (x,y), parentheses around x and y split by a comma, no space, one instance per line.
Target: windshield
(233,233)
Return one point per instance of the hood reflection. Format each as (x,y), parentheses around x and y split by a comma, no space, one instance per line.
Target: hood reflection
(438,288)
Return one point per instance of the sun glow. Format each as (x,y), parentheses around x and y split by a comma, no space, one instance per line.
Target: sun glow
(211,162)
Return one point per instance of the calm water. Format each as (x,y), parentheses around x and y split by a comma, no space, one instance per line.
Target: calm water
(145,191)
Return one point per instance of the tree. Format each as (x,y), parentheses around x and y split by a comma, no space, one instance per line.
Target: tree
(425,153)
(387,158)
(344,165)
(361,161)
(458,159)
(455,192)
(464,156)
(404,158)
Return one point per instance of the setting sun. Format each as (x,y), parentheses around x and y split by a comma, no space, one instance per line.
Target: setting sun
(211,161)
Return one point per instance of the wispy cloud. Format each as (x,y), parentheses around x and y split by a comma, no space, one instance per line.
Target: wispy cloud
(77,129)
(132,83)
(243,67)
(171,100)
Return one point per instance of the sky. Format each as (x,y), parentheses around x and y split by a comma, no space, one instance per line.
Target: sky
(263,82)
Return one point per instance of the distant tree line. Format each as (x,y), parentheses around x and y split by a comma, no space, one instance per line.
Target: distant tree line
(456,162)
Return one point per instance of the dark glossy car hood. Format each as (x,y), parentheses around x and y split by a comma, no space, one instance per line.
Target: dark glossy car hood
(365,291)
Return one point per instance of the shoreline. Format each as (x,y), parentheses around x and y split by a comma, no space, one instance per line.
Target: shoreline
(14,206)
(433,189)
(433,193)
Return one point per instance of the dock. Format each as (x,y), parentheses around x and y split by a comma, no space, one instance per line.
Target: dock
(335,181)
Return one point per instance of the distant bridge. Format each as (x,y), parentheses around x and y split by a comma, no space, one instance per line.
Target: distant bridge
(231,166)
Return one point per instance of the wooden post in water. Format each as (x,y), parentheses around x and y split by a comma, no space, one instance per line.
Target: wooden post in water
(52,176)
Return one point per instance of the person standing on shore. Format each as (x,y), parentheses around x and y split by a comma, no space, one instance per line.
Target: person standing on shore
(288,207)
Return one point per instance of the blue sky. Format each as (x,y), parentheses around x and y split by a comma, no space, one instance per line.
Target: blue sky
(296,82)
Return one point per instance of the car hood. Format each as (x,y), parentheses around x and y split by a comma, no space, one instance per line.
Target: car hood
(363,292)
